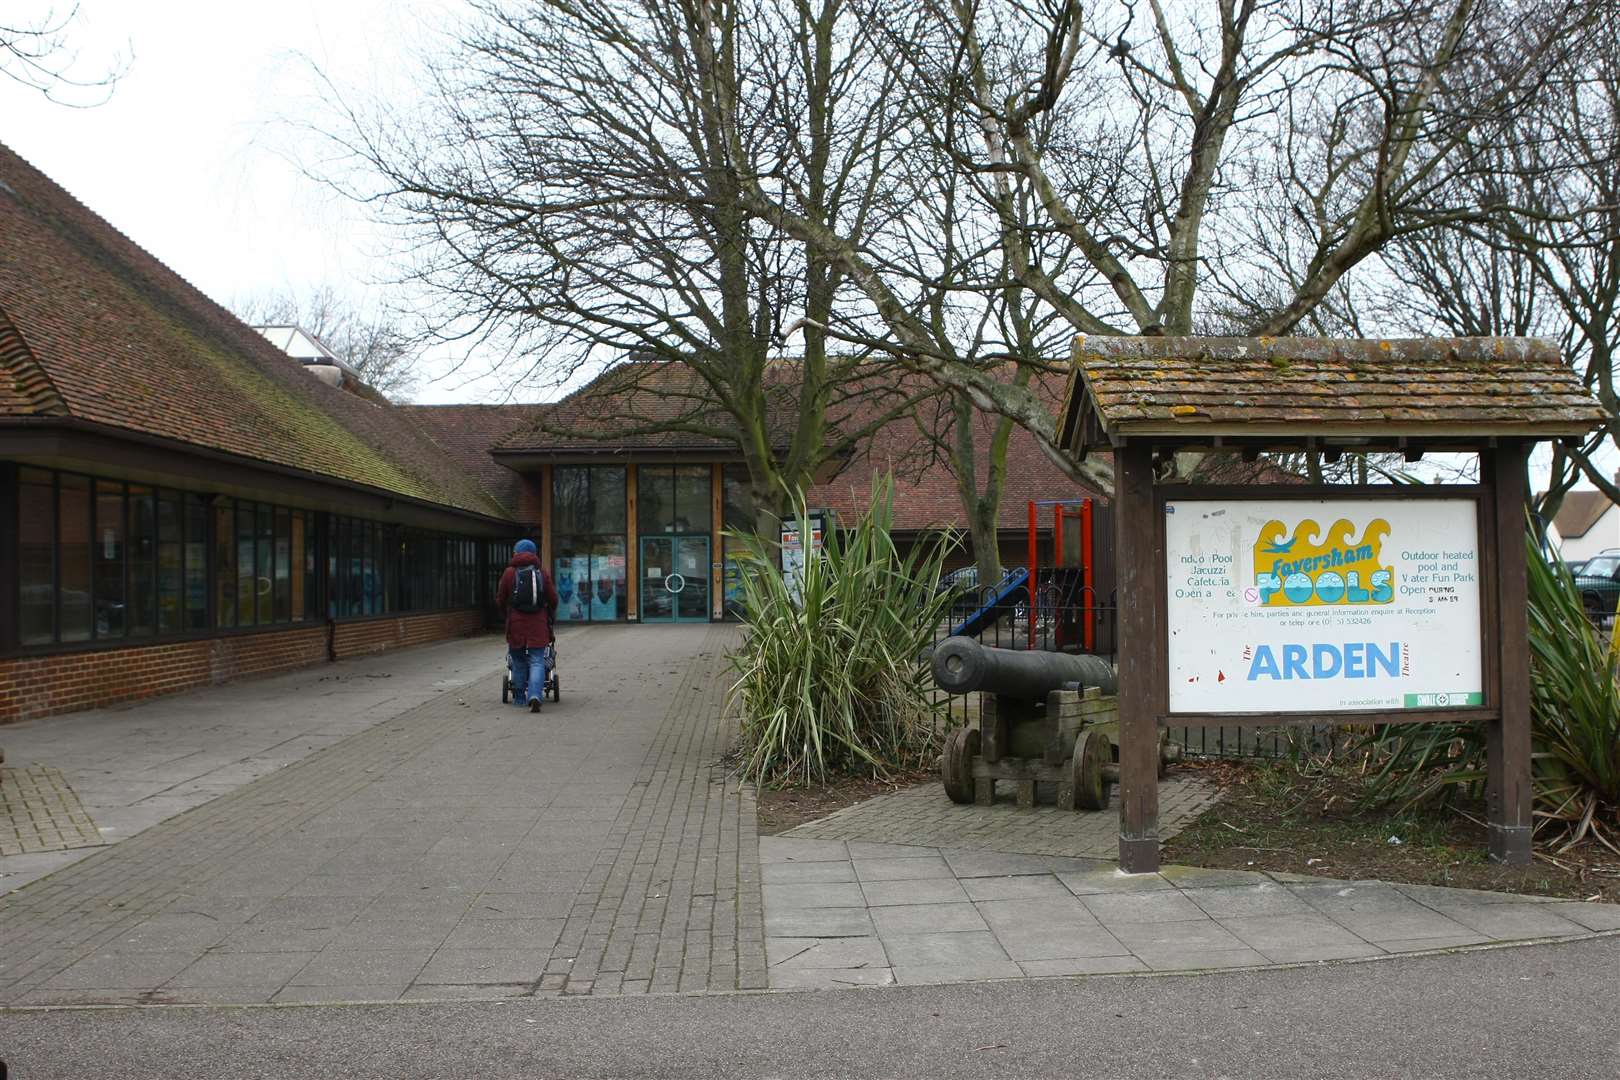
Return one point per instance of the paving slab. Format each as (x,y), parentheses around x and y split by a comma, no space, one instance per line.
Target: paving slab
(795,953)
(122,770)
(902,869)
(1508,922)
(374,844)
(1020,887)
(787,872)
(927,891)
(1081,965)
(1033,916)
(939,949)
(926,918)
(830,978)
(814,894)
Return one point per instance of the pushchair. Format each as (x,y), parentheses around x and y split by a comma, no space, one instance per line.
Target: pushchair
(553,685)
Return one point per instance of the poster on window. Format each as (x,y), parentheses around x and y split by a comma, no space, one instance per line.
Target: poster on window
(607,573)
(1322,605)
(793,549)
(572,579)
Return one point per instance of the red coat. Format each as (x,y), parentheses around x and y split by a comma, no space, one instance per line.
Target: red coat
(526,629)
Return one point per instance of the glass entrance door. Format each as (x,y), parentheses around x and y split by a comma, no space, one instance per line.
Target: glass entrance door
(675,579)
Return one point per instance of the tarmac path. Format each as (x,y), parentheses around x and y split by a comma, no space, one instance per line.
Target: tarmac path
(1520,1012)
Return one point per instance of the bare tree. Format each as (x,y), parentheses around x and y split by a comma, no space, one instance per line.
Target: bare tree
(1545,260)
(373,345)
(36,53)
(1243,157)
(575,201)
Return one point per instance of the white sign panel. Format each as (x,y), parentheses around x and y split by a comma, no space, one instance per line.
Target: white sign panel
(793,551)
(1294,605)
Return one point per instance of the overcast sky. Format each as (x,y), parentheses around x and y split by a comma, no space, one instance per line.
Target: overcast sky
(188,154)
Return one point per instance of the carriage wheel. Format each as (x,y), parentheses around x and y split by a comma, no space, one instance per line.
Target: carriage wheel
(1091,787)
(506,689)
(556,688)
(961,747)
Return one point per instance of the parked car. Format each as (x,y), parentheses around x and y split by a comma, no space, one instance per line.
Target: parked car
(1599,583)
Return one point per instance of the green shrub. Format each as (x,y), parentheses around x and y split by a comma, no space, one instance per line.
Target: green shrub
(830,677)
(1575,727)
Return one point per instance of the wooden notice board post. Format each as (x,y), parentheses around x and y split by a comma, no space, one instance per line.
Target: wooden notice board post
(1262,601)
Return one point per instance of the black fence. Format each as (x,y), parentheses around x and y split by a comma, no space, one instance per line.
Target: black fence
(1068,616)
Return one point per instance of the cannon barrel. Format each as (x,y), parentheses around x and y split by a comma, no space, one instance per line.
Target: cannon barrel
(962,666)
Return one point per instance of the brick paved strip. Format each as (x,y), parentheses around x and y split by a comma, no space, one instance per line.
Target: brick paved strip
(430,836)
(924,815)
(683,863)
(39,811)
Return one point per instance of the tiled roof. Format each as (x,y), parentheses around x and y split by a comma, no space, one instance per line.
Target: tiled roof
(635,398)
(634,405)
(125,342)
(925,495)
(666,407)
(1579,511)
(1193,386)
(468,432)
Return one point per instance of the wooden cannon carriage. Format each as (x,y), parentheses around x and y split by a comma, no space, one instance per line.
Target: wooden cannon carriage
(1047,718)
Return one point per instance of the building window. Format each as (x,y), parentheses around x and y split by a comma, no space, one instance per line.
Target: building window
(378,569)
(101,560)
(142,554)
(111,602)
(674,499)
(73,522)
(738,507)
(36,556)
(196,562)
(170,562)
(225,563)
(588,542)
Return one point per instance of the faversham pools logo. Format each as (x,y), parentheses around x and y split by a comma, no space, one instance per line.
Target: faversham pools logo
(1305,570)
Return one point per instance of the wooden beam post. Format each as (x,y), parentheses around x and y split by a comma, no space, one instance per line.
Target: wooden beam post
(717,543)
(547,533)
(1507,743)
(1140,642)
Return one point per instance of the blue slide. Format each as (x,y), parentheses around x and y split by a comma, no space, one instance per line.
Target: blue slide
(995,607)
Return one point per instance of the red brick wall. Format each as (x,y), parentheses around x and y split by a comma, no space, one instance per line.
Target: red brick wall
(374,635)
(36,686)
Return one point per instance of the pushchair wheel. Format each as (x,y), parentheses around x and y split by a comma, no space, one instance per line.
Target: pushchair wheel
(506,688)
(556,688)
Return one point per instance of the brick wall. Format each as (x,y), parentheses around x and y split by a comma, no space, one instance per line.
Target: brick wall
(32,687)
(374,635)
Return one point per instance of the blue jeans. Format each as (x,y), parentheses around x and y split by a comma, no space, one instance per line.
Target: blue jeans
(528,669)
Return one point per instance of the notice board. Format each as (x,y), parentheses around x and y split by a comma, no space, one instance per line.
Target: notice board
(1298,605)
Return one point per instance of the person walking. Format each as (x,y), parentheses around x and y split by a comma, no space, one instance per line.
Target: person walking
(526,599)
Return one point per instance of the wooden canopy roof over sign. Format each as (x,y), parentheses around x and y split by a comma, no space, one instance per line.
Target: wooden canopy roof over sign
(1267,393)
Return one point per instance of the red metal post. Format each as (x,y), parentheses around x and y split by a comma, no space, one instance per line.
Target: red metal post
(1087,612)
(1034,564)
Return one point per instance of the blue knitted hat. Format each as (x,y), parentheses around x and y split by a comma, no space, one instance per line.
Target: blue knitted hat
(525,546)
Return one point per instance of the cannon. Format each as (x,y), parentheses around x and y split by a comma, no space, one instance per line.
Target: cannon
(962,665)
(1046,718)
